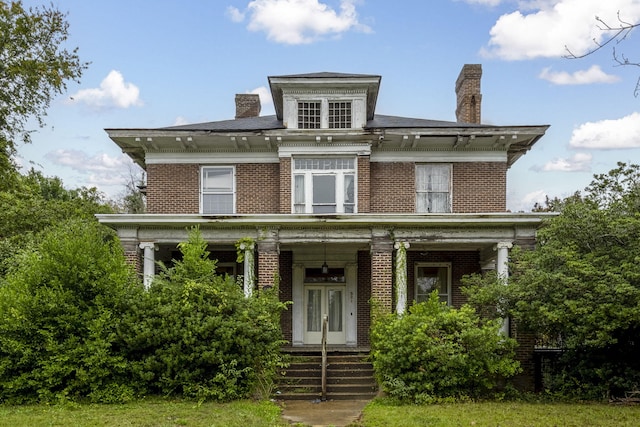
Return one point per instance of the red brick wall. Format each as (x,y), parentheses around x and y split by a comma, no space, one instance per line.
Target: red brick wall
(285,185)
(382,277)
(173,189)
(462,263)
(364,184)
(364,297)
(268,266)
(393,187)
(257,188)
(479,187)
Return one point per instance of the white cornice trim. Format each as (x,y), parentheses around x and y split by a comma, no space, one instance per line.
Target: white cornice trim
(211,157)
(438,156)
(324,149)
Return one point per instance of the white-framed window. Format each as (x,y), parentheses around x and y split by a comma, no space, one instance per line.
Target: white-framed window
(309,114)
(433,188)
(432,276)
(218,195)
(339,114)
(324,185)
(331,114)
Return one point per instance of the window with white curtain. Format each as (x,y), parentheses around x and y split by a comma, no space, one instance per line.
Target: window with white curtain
(218,190)
(324,185)
(433,188)
(433,277)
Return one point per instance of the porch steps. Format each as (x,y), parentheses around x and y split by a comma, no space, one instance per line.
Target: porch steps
(349,377)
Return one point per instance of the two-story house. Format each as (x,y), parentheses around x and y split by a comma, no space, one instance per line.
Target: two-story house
(343,205)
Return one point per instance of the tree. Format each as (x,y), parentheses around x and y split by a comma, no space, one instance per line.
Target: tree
(615,34)
(34,67)
(580,287)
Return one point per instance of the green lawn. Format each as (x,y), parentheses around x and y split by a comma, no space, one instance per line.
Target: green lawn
(152,413)
(511,414)
(173,413)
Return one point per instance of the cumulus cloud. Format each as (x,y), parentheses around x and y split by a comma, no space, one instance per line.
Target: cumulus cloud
(113,92)
(99,170)
(579,162)
(266,102)
(298,21)
(484,2)
(581,77)
(608,134)
(549,28)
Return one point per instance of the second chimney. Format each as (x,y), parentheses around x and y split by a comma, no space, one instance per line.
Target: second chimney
(247,105)
(469,98)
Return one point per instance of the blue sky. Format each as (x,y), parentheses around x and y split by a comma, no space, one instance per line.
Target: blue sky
(160,63)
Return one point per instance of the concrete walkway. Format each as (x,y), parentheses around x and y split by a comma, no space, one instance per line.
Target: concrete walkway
(337,413)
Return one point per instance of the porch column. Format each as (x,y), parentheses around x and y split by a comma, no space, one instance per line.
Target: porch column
(381,272)
(401,276)
(502,268)
(149,263)
(249,277)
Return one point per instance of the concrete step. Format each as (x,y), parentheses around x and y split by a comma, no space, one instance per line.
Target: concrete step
(349,376)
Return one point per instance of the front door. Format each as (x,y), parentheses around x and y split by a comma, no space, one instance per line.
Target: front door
(320,301)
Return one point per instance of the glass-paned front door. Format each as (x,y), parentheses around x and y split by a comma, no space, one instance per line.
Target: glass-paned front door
(321,300)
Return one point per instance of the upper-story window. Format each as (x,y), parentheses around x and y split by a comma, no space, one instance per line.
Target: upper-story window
(340,115)
(218,190)
(433,188)
(431,277)
(309,115)
(324,185)
(324,114)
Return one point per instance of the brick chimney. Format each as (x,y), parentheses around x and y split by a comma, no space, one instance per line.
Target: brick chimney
(247,105)
(468,94)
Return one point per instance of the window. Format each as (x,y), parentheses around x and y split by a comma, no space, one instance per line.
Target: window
(433,188)
(324,114)
(218,190)
(324,185)
(309,115)
(339,115)
(431,277)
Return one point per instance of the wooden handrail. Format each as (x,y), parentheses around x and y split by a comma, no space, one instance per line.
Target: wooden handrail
(325,325)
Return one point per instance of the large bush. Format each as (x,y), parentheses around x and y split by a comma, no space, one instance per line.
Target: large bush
(435,351)
(194,334)
(59,310)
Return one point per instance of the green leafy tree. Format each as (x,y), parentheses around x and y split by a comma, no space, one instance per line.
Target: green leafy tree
(435,351)
(580,287)
(35,202)
(34,67)
(59,312)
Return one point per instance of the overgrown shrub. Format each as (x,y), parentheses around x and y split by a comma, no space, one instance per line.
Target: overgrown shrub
(435,352)
(60,306)
(194,334)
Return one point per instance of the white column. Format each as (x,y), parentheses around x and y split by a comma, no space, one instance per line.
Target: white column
(401,277)
(149,262)
(502,268)
(249,268)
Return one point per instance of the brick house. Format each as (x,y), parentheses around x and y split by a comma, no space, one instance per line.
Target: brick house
(344,205)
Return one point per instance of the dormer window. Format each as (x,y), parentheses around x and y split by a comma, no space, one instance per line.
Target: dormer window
(324,114)
(339,115)
(309,115)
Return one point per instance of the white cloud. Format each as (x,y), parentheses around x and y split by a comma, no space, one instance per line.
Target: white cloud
(608,134)
(113,92)
(553,26)
(299,21)
(180,121)
(99,170)
(266,102)
(530,199)
(234,14)
(581,77)
(579,162)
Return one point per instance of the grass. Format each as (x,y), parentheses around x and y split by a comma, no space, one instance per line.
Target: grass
(381,413)
(151,413)
(172,413)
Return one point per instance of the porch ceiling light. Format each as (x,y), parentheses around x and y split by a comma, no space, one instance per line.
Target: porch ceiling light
(325,267)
